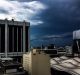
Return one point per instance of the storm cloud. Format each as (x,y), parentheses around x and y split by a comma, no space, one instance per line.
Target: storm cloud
(52,21)
(61,17)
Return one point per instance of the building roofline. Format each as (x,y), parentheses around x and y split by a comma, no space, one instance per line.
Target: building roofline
(13,22)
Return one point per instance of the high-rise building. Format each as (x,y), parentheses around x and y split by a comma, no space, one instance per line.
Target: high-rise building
(14,38)
(36,63)
(76,42)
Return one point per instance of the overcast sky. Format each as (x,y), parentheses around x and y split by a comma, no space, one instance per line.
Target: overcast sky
(52,21)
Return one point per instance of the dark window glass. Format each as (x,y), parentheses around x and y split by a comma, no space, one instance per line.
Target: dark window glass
(2,38)
(26,38)
(15,39)
(10,38)
(19,39)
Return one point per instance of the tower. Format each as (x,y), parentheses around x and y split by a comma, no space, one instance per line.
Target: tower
(14,38)
(36,63)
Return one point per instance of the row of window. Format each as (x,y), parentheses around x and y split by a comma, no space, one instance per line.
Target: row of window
(15,38)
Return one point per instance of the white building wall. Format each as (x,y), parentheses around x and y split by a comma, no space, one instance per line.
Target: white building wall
(76,34)
(36,63)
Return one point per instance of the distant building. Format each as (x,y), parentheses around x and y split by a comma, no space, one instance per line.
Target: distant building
(14,38)
(48,49)
(51,46)
(68,50)
(61,51)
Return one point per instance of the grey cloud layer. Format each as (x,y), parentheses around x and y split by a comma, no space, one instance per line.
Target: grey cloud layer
(3,11)
(22,10)
(62,16)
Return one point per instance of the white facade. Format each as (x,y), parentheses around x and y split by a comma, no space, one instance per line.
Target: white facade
(36,63)
(76,34)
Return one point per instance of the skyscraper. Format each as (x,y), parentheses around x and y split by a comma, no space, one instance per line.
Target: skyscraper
(14,38)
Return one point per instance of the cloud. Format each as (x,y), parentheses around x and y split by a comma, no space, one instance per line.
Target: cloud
(22,10)
(58,40)
(35,22)
(21,0)
(2,10)
(62,16)
(68,34)
(46,37)
(68,9)
(52,36)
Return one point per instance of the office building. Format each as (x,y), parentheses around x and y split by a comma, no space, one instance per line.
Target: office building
(14,38)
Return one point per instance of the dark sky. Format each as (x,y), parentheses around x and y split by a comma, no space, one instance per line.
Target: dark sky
(60,19)
(52,21)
